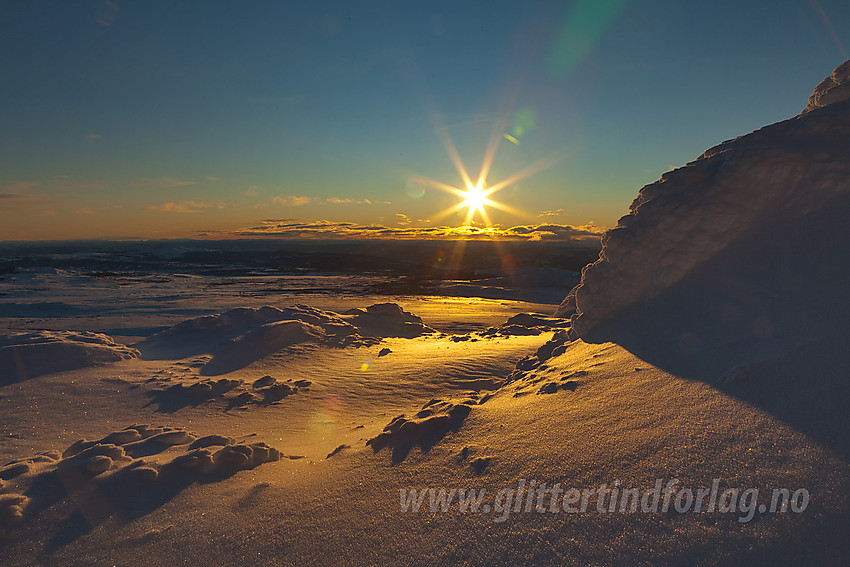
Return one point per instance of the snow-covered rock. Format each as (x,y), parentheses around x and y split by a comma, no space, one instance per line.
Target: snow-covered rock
(834,88)
(747,242)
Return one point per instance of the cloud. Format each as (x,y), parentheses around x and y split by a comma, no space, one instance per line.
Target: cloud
(289,228)
(84,211)
(553,213)
(18,186)
(163,182)
(295,201)
(211,178)
(338,201)
(402,219)
(559,232)
(292,201)
(184,207)
(64,184)
(14,201)
(93,137)
(57,183)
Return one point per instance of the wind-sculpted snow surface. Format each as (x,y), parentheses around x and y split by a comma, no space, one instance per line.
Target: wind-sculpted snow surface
(129,473)
(240,336)
(747,237)
(26,355)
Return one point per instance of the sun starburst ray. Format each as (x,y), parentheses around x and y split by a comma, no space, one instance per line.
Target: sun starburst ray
(497,132)
(443,133)
(492,148)
(525,172)
(434,184)
(508,209)
(448,212)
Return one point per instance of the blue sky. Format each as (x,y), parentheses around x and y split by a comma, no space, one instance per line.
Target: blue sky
(160,119)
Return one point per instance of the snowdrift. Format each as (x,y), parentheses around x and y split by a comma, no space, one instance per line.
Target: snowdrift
(241,336)
(26,355)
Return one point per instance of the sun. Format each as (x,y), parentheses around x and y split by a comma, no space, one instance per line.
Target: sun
(475,198)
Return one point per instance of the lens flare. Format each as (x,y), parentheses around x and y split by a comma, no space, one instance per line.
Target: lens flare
(415,187)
